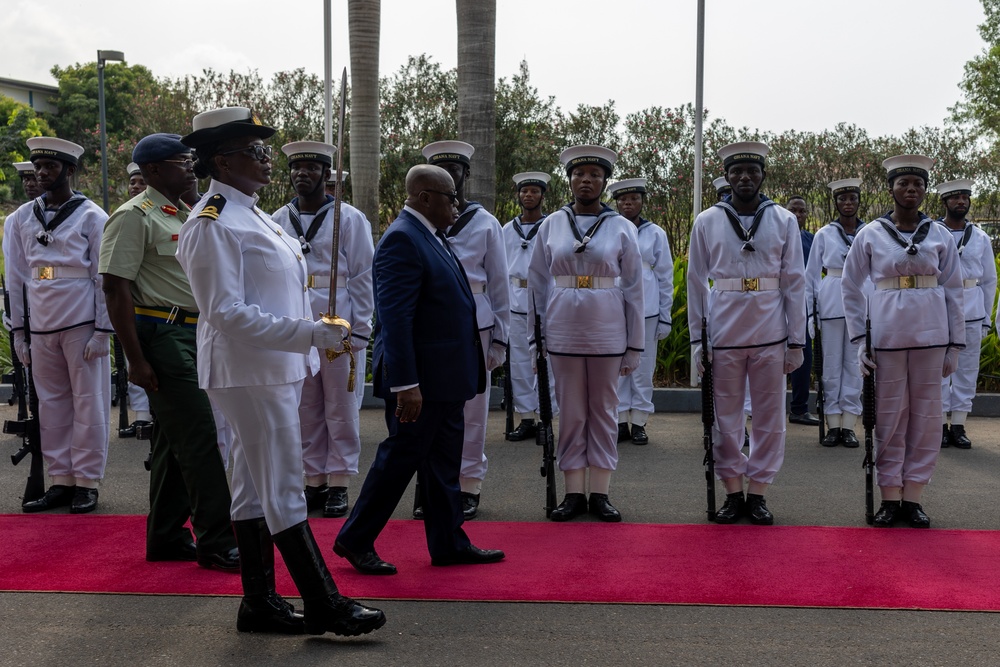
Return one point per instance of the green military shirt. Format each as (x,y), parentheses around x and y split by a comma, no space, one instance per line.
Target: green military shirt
(139,244)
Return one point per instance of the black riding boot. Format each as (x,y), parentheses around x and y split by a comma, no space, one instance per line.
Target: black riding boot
(262,609)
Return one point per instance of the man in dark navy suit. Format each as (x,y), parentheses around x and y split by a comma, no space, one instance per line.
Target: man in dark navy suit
(426,363)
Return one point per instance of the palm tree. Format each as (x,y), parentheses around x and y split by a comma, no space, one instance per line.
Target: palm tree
(477,22)
(364,24)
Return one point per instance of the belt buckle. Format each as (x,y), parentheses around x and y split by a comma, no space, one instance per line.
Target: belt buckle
(47,273)
(584,282)
(750,285)
(311,282)
(522,282)
(907,282)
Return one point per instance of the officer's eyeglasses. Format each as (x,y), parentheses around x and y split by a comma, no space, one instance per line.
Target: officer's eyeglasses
(258,151)
(452,196)
(186,163)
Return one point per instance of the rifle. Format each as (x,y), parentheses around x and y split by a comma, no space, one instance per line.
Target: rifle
(708,419)
(544,436)
(121,391)
(818,371)
(28,429)
(508,393)
(16,377)
(868,419)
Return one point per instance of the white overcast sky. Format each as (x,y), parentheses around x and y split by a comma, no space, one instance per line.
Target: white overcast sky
(770,64)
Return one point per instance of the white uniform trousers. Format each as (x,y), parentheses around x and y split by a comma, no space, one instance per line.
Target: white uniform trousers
(635,391)
(524,382)
(908,415)
(137,399)
(267,458)
(74,403)
(361,359)
(959,388)
(763,367)
(331,437)
(587,391)
(477,409)
(223,434)
(841,377)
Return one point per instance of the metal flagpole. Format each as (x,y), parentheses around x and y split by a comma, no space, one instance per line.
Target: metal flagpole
(699,107)
(328,69)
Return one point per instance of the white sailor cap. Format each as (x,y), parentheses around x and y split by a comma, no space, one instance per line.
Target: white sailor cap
(225,123)
(743,151)
(845,185)
(448,151)
(962,186)
(627,186)
(537,178)
(57,149)
(908,164)
(314,151)
(721,185)
(575,156)
(333,176)
(24,167)
(133,169)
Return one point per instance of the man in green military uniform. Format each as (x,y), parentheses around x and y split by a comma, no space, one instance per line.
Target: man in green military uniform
(154,315)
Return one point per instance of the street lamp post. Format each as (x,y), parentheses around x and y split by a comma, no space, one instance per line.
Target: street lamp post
(102,58)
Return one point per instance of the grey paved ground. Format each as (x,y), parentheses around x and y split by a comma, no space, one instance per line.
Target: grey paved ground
(660,483)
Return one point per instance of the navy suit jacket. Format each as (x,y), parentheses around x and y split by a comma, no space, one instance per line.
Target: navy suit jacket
(425,327)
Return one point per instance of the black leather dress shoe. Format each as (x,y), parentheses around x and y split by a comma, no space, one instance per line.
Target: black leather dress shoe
(623,433)
(269,613)
(367,562)
(58,495)
(470,505)
(316,497)
(915,514)
(849,439)
(757,510)
(84,501)
(526,429)
(186,551)
(806,418)
(887,514)
(732,509)
(746,438)
(832,438)
(945,436)
(336,502)
(602,508)
(572,506)
(639,436)
(959,439)
(224,561)
(471,555)
(127,432)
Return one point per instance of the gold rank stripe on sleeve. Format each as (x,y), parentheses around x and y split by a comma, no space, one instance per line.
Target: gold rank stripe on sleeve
(213,208)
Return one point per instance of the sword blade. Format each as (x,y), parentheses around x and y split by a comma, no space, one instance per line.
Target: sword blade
(338,197)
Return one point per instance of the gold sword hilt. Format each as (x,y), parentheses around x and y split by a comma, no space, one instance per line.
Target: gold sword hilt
(332,354)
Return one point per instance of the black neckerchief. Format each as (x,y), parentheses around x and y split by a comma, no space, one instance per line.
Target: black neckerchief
(919,234)
(642,223)
(583,239)
(526,238)
(734,220)
(62,213)
(965,236)
(464,219)
(843,233)
(317,222)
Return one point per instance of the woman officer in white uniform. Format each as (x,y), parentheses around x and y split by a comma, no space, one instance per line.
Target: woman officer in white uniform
(585,278)
(255,346)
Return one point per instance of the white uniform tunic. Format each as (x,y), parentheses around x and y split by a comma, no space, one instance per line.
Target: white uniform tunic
(331,438)
(254,346)
(635,391)
(911,329)
(479,247)
(748,331)
(841,376)
(979,277)
(74,395)
(519,241)
(587,330)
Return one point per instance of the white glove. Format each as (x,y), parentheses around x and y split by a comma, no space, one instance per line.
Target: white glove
(811,327)
(865,363)
(950,362)
(98,346)
(495,356)
(21,348)
(630,362)
(696,358)
(328,336)
(793,359)
(8,326)
(662,330)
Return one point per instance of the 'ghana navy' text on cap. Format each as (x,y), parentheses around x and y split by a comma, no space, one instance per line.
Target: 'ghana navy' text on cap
(743,151)
(157,147)
(57,149)
(24,167)
(539,178)
(845,185)
(722,186)
(448,151)
(627,186)
(333,176)
(225,123)
(908,164)
(313,151)
(575,156)
(962,186)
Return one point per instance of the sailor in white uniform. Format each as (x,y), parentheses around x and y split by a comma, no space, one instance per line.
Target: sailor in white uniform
(751,250)
(635,391)
(979,278)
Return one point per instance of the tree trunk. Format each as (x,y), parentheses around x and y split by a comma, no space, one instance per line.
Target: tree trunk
(477,21)
(364,23)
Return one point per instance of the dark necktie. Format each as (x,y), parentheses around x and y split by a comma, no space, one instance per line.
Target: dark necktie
(444,241)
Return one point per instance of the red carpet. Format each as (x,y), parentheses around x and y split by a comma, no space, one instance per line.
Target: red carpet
(546,562)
